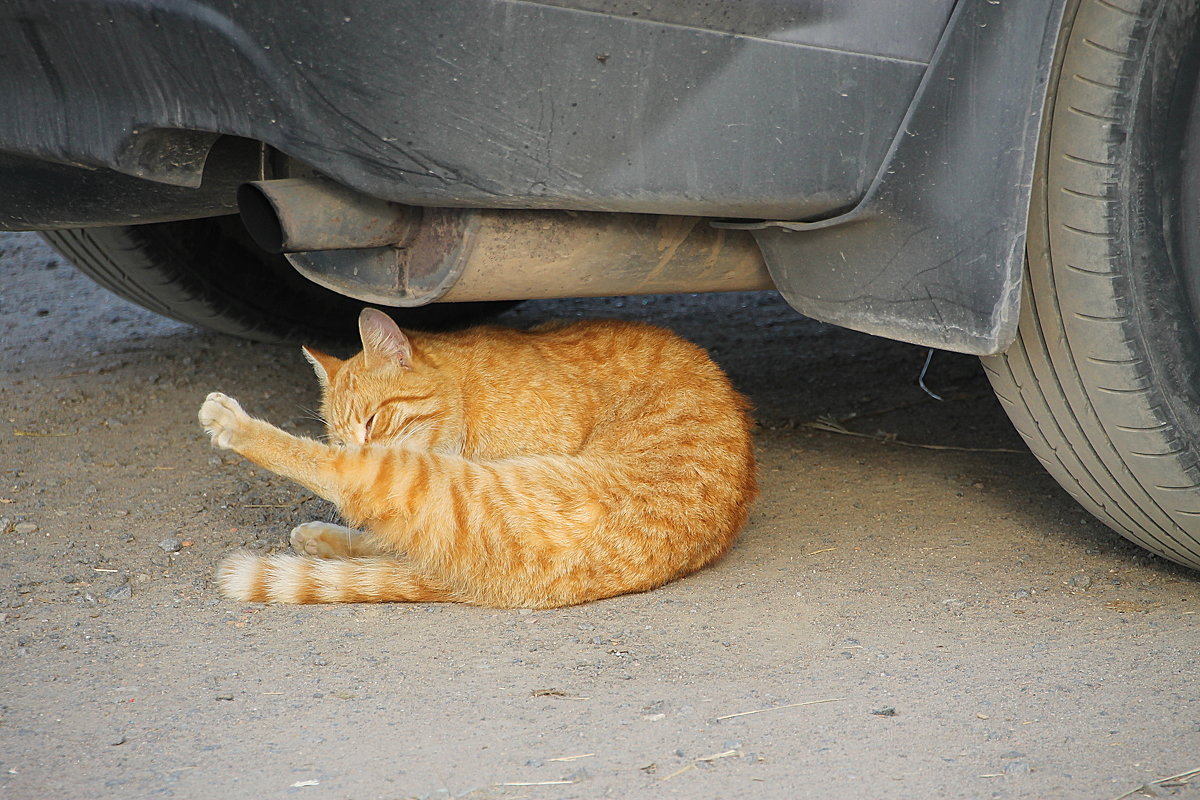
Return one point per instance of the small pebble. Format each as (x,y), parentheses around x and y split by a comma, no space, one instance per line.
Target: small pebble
(68,578)
(170,545)
(224,697)
(886,711)
(1080,581)
(122,592)
(954,605)
(1016,768)
(116,740)
(1022,594)
(25,528)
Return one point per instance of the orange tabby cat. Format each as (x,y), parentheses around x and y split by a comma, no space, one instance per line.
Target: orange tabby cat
(503,468)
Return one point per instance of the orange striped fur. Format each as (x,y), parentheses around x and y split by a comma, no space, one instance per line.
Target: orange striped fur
(503,468)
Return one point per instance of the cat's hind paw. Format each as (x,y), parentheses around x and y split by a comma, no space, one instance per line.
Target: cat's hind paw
(221,416)
(327,540)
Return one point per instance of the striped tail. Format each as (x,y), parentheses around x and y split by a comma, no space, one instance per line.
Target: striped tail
(289,578)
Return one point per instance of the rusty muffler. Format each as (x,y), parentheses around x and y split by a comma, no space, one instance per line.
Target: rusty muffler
(400,255)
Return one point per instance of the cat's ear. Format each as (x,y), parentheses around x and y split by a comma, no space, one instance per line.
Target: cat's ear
(382,339)
(326,366)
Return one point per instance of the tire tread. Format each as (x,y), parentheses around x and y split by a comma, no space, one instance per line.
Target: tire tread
(1075,381)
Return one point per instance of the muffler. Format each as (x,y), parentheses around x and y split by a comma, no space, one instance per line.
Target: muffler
(399,255)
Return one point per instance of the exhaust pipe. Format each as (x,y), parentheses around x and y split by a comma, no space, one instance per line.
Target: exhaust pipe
(399,255)
(297,215)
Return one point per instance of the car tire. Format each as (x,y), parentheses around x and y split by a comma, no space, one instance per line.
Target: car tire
(208,272)
(1103,381)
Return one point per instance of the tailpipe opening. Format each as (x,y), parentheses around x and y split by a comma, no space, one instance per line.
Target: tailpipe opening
(297,215)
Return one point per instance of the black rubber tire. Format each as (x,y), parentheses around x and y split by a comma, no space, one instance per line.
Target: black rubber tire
(208,272)
(1104,379)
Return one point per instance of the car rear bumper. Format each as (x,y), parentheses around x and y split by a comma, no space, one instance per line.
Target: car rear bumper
(477,103)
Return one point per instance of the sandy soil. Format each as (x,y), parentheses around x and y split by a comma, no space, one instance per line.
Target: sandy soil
(970,631)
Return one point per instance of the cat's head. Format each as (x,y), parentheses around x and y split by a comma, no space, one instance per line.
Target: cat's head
(385,394)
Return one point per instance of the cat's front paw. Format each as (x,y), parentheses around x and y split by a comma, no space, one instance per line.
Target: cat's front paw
(222,417)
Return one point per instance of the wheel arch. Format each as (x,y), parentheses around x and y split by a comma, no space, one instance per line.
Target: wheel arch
(934,252)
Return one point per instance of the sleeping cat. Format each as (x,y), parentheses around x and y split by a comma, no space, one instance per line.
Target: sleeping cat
(503,468)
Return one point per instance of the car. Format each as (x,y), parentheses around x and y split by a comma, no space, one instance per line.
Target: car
(1017,179)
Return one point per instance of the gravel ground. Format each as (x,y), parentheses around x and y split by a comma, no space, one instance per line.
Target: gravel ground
(935,620)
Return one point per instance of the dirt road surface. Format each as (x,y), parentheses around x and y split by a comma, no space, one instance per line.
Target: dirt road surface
(928,621)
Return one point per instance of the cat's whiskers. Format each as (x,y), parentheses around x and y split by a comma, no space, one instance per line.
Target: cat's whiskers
(314,415)
(410,430)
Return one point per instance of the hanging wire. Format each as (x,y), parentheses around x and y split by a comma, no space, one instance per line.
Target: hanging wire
(921,378)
